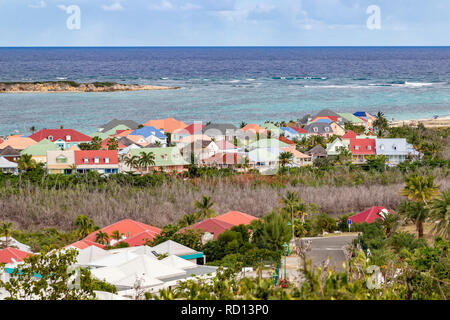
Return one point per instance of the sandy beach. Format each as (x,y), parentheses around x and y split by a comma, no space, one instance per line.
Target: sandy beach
(429,123)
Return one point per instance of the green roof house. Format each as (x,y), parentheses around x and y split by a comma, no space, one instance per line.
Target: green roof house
(348,117)
(39,150)
(333,148)
(101,135)
(167,159)
(273,128)
(267,144)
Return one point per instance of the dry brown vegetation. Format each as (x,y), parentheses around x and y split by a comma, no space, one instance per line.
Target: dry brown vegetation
(34,208)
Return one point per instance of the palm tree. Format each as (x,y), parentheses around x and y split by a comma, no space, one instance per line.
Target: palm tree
(26,163)
(418,188)
(188,219)
(85,226)
(205,208)
(33,129)
(5,230)
(344,155)
(116,235)
(381,123)
(390,222)
(290,202)
(96,143)
(417,212)
(440,214)
(146,160)
(158,143)
(285,158)
(113,144)
(132,162)
(102,237)
(243,124)
(246,164)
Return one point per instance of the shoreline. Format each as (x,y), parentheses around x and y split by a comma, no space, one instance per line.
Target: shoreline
(71,86)
(429,122)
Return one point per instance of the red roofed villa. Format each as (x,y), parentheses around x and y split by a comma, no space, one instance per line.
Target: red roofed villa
(369,215)
(361,148)
(63,138)
(102,161)
(11,255)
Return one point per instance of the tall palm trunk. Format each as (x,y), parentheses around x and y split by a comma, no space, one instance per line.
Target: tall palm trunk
(419,227)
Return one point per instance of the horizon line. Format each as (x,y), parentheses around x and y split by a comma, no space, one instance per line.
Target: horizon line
(231,46)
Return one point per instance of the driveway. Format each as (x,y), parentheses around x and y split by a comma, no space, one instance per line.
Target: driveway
(323,248)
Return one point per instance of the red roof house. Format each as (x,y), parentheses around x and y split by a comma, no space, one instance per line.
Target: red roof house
(349,135)
(362,146)
(369,215)
(211,225)
(83,244)
(105,144)
(300,130)
(141,238)
(85,157)
(66,135)
(10,255)
(286,140)
(236,218)
(193,128)
(128,227)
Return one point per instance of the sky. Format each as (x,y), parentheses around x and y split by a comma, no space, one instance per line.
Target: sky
(224,23)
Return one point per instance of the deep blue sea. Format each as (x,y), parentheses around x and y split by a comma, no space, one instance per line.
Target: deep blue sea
(226,84)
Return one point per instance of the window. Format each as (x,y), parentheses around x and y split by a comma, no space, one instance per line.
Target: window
(327,129)
(68,138)
(50,138)
(369,147)
(382,147)
(356,147)
(96,160)
(315,129)
(61,159)
(86,160)
(106,160)
(394,146)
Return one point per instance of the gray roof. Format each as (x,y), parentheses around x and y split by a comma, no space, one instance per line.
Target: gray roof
(9,151)
(320,128)
(214,129)
(197,271)
(326,113)
(115,122)
(395,146)
(305,119)
(317,151)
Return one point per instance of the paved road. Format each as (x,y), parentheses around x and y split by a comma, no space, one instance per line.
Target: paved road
(323,248)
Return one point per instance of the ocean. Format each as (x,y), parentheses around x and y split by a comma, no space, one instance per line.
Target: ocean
(224,84)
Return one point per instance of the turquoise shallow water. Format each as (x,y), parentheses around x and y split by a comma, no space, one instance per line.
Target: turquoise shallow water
(225,84)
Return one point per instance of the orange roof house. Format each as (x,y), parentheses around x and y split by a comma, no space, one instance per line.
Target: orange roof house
(253,128)
(18,142)
(11,255)
(128,227)
(141,238)
(236,218)
(168,124)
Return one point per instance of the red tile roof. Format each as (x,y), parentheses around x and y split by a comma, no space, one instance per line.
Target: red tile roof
(193,128)
(236,218)
(128,227)
(83,244)
(299,129)
(141,238)
(349,135)
(7,255)
(369,215)
(365,146)
(62,134)
(211,225)
(80,155)
(285,140)
(105,144)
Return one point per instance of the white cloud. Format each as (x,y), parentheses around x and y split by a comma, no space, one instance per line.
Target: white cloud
(164,5)
(116,6)
(62,7)
(38,5)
